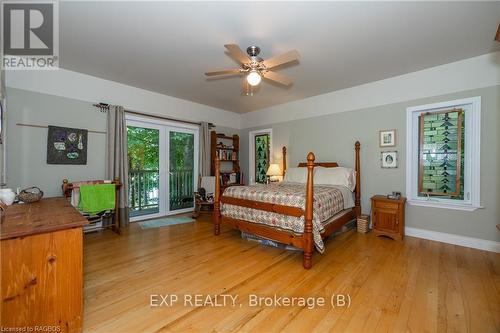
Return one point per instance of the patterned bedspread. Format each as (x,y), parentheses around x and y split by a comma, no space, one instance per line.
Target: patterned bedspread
(328,201)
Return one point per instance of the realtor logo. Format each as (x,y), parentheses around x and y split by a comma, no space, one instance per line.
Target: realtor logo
(30,35)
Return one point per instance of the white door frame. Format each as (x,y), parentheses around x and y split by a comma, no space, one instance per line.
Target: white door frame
(251,151)
(139,122)
(165,127)
(195,132)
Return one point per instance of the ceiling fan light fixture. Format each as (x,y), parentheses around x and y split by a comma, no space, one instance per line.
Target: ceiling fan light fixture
(254,68)
(254,78)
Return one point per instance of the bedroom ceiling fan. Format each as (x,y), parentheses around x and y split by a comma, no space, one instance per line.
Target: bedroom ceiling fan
(255,68)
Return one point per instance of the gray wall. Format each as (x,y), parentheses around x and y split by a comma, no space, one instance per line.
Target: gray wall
(332,138)
(27,146)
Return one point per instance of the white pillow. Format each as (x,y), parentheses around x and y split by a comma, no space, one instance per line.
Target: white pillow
(335,176)
(296,175)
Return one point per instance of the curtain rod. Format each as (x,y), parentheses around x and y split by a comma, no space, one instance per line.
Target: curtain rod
(105,107)
(45,126)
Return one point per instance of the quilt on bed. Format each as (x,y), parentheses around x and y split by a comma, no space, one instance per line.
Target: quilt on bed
(328,201)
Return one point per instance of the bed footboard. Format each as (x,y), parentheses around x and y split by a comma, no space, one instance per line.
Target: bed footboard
(305,240)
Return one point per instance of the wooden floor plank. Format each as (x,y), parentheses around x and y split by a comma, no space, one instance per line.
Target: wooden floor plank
(415,285)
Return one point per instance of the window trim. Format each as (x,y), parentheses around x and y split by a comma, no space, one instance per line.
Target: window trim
(472,156)
(251,157)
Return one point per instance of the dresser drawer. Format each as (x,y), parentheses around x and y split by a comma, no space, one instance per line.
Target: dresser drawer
(386,205)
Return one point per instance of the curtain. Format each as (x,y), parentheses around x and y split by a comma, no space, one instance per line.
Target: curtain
(204,149)
(117,159)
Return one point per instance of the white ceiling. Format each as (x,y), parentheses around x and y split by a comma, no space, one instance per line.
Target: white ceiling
(166,47)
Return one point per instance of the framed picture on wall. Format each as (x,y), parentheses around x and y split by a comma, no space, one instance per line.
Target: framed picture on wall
(387,138)
(66,145)
(389,159)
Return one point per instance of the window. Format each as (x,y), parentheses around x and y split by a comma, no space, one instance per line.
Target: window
(443,145)
(260,154)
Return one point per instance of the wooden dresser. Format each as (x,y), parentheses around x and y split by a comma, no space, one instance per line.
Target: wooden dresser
(388,216)
(42,271)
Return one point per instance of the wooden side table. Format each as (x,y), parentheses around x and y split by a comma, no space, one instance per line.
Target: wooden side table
(388,216)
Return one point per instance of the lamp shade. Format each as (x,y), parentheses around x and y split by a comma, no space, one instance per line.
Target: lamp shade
(274,170)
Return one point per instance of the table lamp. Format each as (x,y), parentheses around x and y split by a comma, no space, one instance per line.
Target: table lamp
(274,171)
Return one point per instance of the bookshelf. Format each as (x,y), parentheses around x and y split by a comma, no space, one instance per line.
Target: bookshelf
(228,149)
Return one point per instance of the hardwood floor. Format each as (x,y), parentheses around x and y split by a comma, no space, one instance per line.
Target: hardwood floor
(414,286)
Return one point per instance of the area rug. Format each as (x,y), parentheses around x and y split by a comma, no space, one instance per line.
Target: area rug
(164,221)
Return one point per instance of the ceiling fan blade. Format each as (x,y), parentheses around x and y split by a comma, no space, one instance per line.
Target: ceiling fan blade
(497,37)
(237,54)
(282,59)
(231,71)
(279,78)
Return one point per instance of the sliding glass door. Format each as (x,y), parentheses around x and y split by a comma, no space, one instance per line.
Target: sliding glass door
(163,167)
(182,170)
(144,168)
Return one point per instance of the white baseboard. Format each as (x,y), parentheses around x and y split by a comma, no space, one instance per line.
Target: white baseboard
(475,243)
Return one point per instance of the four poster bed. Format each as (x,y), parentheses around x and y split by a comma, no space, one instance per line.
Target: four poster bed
(299,214)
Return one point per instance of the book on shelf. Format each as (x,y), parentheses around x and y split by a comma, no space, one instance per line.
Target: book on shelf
(230,178)
(226,154)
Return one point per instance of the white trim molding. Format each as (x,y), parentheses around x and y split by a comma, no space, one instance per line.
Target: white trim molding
(251,150)
(468,74)
(472,155)
(475,243)
(83,87)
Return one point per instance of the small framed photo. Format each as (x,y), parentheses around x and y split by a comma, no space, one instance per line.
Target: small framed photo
(387,138)
(389,159)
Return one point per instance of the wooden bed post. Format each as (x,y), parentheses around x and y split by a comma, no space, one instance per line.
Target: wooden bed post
(283,150)
(357,202)
(217,195)
(308,214)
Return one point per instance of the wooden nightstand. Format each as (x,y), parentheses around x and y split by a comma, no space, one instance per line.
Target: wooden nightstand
(388,216)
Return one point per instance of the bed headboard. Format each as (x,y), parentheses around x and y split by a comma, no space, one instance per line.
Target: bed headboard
(357,168)
(321,164)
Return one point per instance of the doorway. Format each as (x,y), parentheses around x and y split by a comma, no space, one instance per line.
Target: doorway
(260,154)
(163,167)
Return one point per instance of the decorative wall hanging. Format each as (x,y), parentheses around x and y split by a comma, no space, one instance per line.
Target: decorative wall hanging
(66,145)
(441,153)
(261,157)
(387,138)
(389,159)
